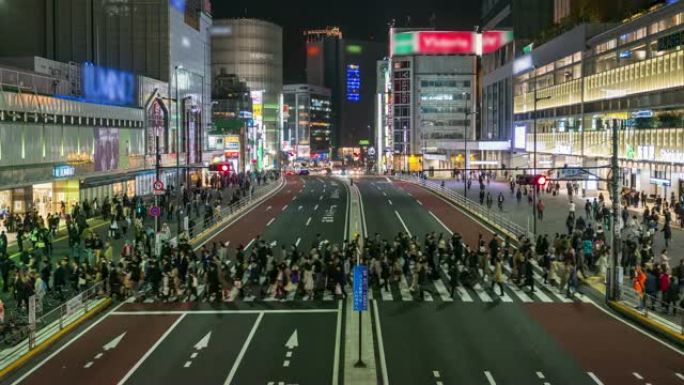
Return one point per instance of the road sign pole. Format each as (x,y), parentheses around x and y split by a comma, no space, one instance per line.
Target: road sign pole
(360,281)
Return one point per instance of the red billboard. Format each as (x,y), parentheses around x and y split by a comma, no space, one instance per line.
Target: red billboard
(493,40)
(446,43)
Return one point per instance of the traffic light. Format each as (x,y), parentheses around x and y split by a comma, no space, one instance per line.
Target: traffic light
(537,180)
(222,167)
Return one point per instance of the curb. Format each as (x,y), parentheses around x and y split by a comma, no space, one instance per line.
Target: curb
(634,315)
(52,339)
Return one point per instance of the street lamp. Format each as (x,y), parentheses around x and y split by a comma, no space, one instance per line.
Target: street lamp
(466,96)
(534,165)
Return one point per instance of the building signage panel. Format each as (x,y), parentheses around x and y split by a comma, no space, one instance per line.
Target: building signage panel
(107,86)
(63,171)
(232,142)
(661,182)
(448,42)
(520,139)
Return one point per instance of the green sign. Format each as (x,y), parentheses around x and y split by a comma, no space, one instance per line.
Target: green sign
(528,49)
(364,142)
(403,43)
(630,152)
(354,49)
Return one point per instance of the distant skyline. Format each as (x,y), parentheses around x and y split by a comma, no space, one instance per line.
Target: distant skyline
(366,20)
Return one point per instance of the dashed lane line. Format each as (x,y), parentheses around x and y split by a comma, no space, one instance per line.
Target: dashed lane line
(403,224)
(419,202)
(284,208)
(389,201)
(594,378)
(151,350)
(680,376)
(238,360)
(270,222)
(308,221)
(316,207)
(250,243)
(489,377)
(298,240)
(638,376)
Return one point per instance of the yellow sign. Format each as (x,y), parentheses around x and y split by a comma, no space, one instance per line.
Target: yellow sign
(232,142)
(257,110)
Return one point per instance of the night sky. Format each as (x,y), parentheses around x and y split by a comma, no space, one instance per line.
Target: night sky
(358,19)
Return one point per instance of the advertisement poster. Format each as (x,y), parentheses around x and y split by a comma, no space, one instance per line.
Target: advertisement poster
(106,149)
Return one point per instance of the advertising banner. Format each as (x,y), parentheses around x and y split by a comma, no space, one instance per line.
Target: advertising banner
(444,43)
(106,149)
(360,288)
(448,42)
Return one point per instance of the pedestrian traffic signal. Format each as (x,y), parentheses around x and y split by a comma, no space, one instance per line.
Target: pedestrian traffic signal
(222,167)
(537,180)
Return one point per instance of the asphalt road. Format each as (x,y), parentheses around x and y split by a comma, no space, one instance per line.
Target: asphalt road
(544,340)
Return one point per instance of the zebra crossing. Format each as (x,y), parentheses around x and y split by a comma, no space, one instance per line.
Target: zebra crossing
(433,291)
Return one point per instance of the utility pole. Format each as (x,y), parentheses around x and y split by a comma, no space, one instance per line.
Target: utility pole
(615,185)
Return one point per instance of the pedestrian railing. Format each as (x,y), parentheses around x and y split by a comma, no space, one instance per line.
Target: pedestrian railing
(668,315)
(29,335)
(491,216)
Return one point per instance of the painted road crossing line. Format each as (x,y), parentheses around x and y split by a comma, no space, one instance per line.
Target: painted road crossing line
(308,221)
(442,290)
(401,220)
(482,293)
(404,289)
(489,377)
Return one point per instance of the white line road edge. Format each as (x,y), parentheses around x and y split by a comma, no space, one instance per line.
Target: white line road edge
(338,336)
(381,345)
(66,345)
(490,378)
(210,312)
(441,223)
(151,350)
(238,360)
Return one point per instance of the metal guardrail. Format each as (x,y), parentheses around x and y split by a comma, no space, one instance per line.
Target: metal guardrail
(652,308)
(50,323)
(490,216)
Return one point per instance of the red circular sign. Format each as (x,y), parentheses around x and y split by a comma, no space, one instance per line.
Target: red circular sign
(158,185)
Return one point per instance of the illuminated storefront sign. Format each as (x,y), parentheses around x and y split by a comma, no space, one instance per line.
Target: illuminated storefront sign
(448,42)
(520,138)
(672,156)
(63,171)
(107,86)
(522,64)
(354,49)
(353,83)
(646,152)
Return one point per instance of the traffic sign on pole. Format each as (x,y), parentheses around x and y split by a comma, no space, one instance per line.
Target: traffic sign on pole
(158,187)
(155,211)
(360,288)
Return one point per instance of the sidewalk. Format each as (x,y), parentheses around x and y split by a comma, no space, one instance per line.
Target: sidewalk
(555,213)
(99,226)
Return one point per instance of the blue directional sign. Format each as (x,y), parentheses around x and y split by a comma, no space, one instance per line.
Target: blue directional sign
(360,288)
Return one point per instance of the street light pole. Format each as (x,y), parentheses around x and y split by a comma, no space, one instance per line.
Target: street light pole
(465,146)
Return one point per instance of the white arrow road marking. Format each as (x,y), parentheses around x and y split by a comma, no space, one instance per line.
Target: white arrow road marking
(201,344)
(204,342)
(113,343)
(293,341)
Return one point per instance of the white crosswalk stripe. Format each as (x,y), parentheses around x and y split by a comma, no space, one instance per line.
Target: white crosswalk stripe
(404,289)
(482,293)
(442,290)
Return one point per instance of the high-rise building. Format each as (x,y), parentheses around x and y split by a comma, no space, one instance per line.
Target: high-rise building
(306,133)
(166,40)
(575,89)
(253,51)
(347,68)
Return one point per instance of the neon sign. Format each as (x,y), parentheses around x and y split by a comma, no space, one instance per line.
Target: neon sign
(448,42)
(107,86)
(353,83)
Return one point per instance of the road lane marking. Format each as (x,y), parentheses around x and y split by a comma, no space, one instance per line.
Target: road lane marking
(316,207)
(419,202)
(187,364)
(427,296)
(250,243)
(435,373)
(88,364)
(384,194)
(270,222)
(404,289)
(541,295)
(321,198)
(284,208)
(442,290)
(595,378)
(489,377)
(308,221)
(286,363)
(238,360)
(540,375)
(294,198)
(381,346)
(298,240)
(680,376)
(300,207)
(268,208)
(482,293)
(98,356)
(441,223)
(338,337)
(151,350)
(389,201)
(402,223)
(638,376)
(386,295)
